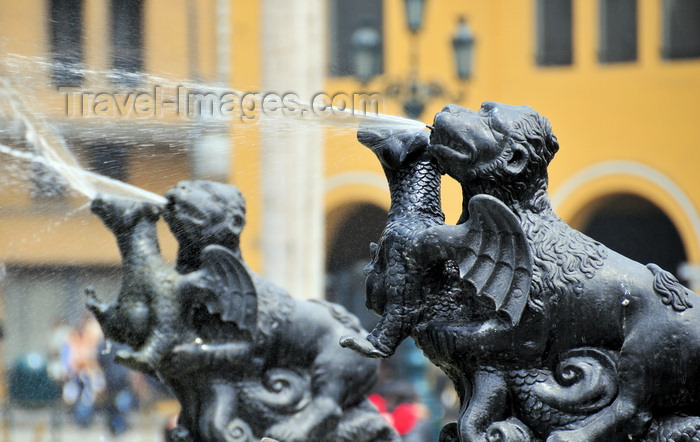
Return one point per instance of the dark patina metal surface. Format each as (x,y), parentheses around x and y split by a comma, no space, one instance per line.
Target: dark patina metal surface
(244,358)
(545,333)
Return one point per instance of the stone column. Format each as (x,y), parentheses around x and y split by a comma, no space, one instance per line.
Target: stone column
(292,152)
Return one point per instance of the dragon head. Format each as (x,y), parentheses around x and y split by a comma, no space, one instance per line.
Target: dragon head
(202,213)
(499,150)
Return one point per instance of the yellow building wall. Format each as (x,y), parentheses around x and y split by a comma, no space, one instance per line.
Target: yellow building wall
(641,112)
(623,128)
(64,232)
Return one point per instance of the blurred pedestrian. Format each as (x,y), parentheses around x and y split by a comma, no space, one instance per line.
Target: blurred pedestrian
(58,352)
(119,396)
(398,402)
(85,378)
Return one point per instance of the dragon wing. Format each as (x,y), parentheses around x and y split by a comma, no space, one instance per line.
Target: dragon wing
(226,288)
(498,263)
(492,253)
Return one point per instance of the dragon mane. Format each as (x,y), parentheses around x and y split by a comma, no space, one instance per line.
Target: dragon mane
(563,257)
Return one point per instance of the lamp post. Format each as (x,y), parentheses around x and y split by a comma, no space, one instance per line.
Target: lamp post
(414,14)
(366,44)
(463,45)
(411,92)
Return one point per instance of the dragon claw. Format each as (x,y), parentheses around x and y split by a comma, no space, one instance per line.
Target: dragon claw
(363,347)
(134,360)
(93,303)
(124,356)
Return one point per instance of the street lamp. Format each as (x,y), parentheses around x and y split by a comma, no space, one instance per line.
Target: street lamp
(463,44)
(366,45)
(413,94)
(414,14)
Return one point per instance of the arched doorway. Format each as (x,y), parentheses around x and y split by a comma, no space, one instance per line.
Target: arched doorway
(635,227)
(407,374)
(348,253)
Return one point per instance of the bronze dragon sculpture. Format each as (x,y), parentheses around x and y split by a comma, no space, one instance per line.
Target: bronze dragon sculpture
(244,358)
(546,333)
(414,185)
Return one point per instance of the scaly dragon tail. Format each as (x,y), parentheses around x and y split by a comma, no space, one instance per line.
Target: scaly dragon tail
(673,428)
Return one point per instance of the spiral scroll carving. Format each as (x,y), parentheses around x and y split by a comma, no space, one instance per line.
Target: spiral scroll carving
(280,392)
(582,383)
(238,431)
